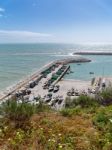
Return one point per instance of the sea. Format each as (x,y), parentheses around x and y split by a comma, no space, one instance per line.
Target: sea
(17,61)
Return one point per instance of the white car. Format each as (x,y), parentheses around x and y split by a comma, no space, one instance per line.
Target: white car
(51,88)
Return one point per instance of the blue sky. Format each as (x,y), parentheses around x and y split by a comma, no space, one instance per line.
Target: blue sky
(68,21)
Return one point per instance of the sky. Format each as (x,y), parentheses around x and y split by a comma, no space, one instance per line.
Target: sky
(60,21)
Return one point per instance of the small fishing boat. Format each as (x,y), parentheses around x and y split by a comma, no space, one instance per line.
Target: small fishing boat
(71,72)
(78,64)
(91,72)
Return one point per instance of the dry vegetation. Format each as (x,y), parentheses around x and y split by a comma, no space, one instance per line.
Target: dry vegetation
(81,126)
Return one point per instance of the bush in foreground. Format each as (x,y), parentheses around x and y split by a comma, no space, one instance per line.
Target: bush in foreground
(105,97)
(82,101)
(102,120)
(89,128)
(68,112)
(21,112)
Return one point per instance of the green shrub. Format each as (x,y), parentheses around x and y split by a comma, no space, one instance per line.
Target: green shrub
(22,112)
(101,118)
(83,101)
(86,101)
(15,111)
(68,112)
(41,107)
(105,97)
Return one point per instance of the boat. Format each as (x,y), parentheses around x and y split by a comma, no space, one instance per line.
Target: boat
(71,72)
(91,72)
(78,64)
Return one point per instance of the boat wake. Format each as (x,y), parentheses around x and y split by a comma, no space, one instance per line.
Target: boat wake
(64,55)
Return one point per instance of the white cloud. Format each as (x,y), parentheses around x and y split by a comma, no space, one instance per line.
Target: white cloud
(22,36)
(2,9)
(23,33)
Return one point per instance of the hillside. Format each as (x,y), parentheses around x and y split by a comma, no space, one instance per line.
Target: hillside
(83,125)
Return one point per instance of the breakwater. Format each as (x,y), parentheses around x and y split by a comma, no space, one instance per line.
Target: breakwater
(93,53)
(74,60)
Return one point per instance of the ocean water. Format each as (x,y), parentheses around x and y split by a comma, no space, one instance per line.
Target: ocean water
(17,61)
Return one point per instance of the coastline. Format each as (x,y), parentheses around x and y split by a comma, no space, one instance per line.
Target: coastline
(41,82)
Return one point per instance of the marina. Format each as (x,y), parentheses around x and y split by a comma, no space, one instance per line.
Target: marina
(55,72)
(62,75)
(49,86)
(18,61)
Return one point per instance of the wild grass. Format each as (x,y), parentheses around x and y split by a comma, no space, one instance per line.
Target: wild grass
(83,125)
(82,101)
(105,97)
(20,113)
(69,112)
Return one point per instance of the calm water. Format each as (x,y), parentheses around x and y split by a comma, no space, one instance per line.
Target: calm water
(20,60)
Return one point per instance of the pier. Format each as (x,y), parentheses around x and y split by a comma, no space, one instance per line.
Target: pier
(61,76)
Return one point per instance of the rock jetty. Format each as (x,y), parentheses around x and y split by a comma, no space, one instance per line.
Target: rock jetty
(93,53)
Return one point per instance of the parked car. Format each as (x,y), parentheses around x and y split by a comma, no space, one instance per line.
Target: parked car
(60,100)
(56,99)
(77,93)
(51,88)
(48,97)
(56,88)
(32,84)
(69,93)
(28,91)
(45,86)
